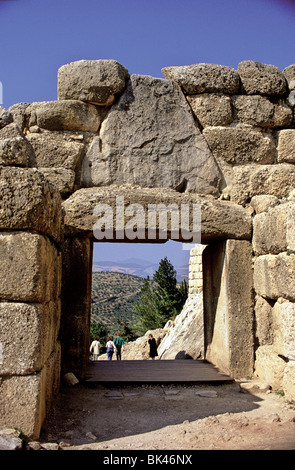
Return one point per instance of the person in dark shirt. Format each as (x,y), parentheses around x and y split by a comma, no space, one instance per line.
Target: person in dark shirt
(119,343)
(153,347)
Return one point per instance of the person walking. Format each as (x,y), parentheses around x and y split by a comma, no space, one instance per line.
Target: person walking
(111,348)
(95,348)
(119,343)
(153,347)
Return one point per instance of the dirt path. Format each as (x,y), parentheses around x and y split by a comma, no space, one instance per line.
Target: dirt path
(198,417)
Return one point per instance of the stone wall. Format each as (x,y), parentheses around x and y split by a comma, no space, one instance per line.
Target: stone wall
(30,308)
(205,135)
(274,280)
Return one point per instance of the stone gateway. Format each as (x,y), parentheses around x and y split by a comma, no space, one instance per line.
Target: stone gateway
(205,136)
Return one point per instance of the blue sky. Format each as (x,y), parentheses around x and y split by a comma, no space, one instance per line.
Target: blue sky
(39,36)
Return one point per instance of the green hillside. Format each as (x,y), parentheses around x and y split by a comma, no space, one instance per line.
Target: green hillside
(113,295)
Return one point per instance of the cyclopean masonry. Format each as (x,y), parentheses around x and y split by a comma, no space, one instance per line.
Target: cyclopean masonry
(205,136)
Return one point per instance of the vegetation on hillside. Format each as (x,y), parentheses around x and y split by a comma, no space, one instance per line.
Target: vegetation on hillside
(133,305)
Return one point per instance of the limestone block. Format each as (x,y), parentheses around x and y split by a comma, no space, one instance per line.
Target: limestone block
(15,150)
(283,326)
(261,79)
(274,231)
(274,276)
(240,145)
(23,402)
(258,110)
(211,109)
(30,267)
(185,337)
(263,202)
(56,149)
(286,146)
(269,367)
(28,335)
(149,139)
(29,202)
(201,78)
(228,306)
(263,321)
(289,381)
(219,219)
(289,73)
(251,180)
(18,112)
(94,81)
(62,178)
(65,115)
(5,117)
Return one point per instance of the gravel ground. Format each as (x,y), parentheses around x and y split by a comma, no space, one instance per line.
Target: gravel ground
(237,416)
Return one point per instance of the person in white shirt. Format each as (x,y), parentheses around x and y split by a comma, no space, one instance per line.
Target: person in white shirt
(95,348)
(111,348)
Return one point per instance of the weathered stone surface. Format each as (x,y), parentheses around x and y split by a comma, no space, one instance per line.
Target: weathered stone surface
(228,306)
(22,403)
(274,276)
(274,231)
(56,149)
(289,381)
(286,146)
(5,117)
(263,321)
(185,335)
(249,180)
(269,367)
(283,326)
(201,78)
(261,79)
(18,112)
(289,73)
(149,138)
(29,202)
(15,150)
(94,81)
(28,334)
(263,202)
(260,111)
(10,439)
(211,109)
(30,267)
(62,178)
(219,219)
(139,349)
(65,115)
(241,144)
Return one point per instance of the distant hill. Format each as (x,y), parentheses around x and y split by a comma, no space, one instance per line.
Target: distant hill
(113,294)
(136,267)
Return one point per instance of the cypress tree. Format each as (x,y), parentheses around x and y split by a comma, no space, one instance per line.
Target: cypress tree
(160,299)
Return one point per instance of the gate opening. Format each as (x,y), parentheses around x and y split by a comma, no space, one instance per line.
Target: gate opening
(119,273)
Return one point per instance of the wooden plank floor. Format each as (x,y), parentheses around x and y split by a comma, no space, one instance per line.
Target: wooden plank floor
(156,372)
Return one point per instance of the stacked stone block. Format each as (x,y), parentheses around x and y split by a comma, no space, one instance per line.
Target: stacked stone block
(30,280)
(274,282)
(195,284)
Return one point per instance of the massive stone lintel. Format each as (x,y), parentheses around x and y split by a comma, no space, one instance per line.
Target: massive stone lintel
(219,219)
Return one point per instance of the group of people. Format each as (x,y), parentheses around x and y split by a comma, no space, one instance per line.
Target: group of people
(117,346)
(113,346)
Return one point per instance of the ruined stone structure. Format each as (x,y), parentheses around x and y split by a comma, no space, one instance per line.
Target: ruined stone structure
(206,136)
